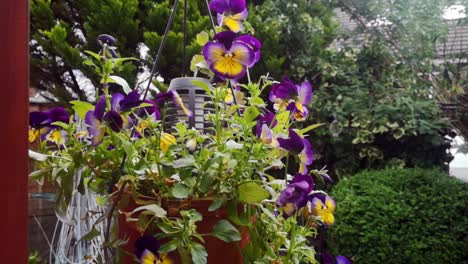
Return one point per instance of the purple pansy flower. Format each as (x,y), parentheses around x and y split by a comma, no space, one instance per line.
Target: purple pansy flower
(105,39)
(293,144)
(233,21)
(93,120)
(298,146)
(306,157)
(295,195)
(231,6)
(228,58)
(146,250)
(176,99)
(342,260)
(292,97)
(265,123)
(323,206)
(41,124)
(254,44)
(326,258)
(298,111)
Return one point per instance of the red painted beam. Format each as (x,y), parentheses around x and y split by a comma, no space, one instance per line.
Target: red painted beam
(14,67)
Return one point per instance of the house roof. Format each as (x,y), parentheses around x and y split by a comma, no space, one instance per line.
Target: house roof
(456,43)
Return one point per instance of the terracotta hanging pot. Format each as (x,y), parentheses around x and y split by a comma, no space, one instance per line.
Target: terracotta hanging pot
(218,250)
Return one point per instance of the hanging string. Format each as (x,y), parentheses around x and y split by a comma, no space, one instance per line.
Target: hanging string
(184,50)
(213,26)
(161,47)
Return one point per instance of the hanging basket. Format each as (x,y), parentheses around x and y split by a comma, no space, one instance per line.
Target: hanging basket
(218,250)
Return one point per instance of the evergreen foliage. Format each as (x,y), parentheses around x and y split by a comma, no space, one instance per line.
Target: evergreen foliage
(401,216)
(60,29)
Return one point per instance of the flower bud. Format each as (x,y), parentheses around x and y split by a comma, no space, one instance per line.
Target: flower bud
(191,144)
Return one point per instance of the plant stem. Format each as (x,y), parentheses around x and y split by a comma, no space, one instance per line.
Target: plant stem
(184,256)
(109,221)
(286,170)
(292,243)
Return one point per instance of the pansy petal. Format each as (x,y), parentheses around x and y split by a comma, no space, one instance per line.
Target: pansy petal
(286,89)
(304,92)
(114,120)
(214,52)
(233,24)
(36,119)
(148,257)
(95,128)
(236,6)
(304,178)
(241,15)
(130,101)
(225,37)
(115,101)
(58,114)
(146,243)
(289,209)
(330,203)
(100,108)
(293,144)
(107,39)
(342,260)
(242,53)
(307,154)
(219,6)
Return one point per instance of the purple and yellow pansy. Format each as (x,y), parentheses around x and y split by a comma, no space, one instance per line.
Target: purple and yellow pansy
(323,206)
(295,195)
(227,57)
(263,130)
(299,146)
(326,258)
(294,98)
(146,250)
(230,13)
(41,125)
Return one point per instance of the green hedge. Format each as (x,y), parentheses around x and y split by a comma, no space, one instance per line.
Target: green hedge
(401,216)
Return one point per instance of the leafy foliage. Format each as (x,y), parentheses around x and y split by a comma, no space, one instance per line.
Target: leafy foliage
(61,29)
(401,216)
(378,113)
(294,35)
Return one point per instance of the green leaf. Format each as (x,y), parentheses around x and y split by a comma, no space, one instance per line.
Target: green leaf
(202,38)
(184,162)
(199,254)
(168,247)
(81,108)
(122,82)
(251,113)
(90,235)
(309,128)
(153,209)
(226,231)
(202,85)
(251,192)
(181,191)
(167,228)
(216,205)
(94,55)
(61,124)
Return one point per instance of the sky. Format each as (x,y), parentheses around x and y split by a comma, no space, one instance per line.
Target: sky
(460,160)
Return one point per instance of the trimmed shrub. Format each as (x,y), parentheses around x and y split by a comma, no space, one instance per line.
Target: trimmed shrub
(401,216)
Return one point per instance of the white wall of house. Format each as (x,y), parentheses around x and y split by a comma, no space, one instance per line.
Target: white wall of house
(459,165)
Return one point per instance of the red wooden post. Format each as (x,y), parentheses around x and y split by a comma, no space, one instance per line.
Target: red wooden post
(14,28)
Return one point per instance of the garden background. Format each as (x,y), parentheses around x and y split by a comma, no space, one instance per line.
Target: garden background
(389,79)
